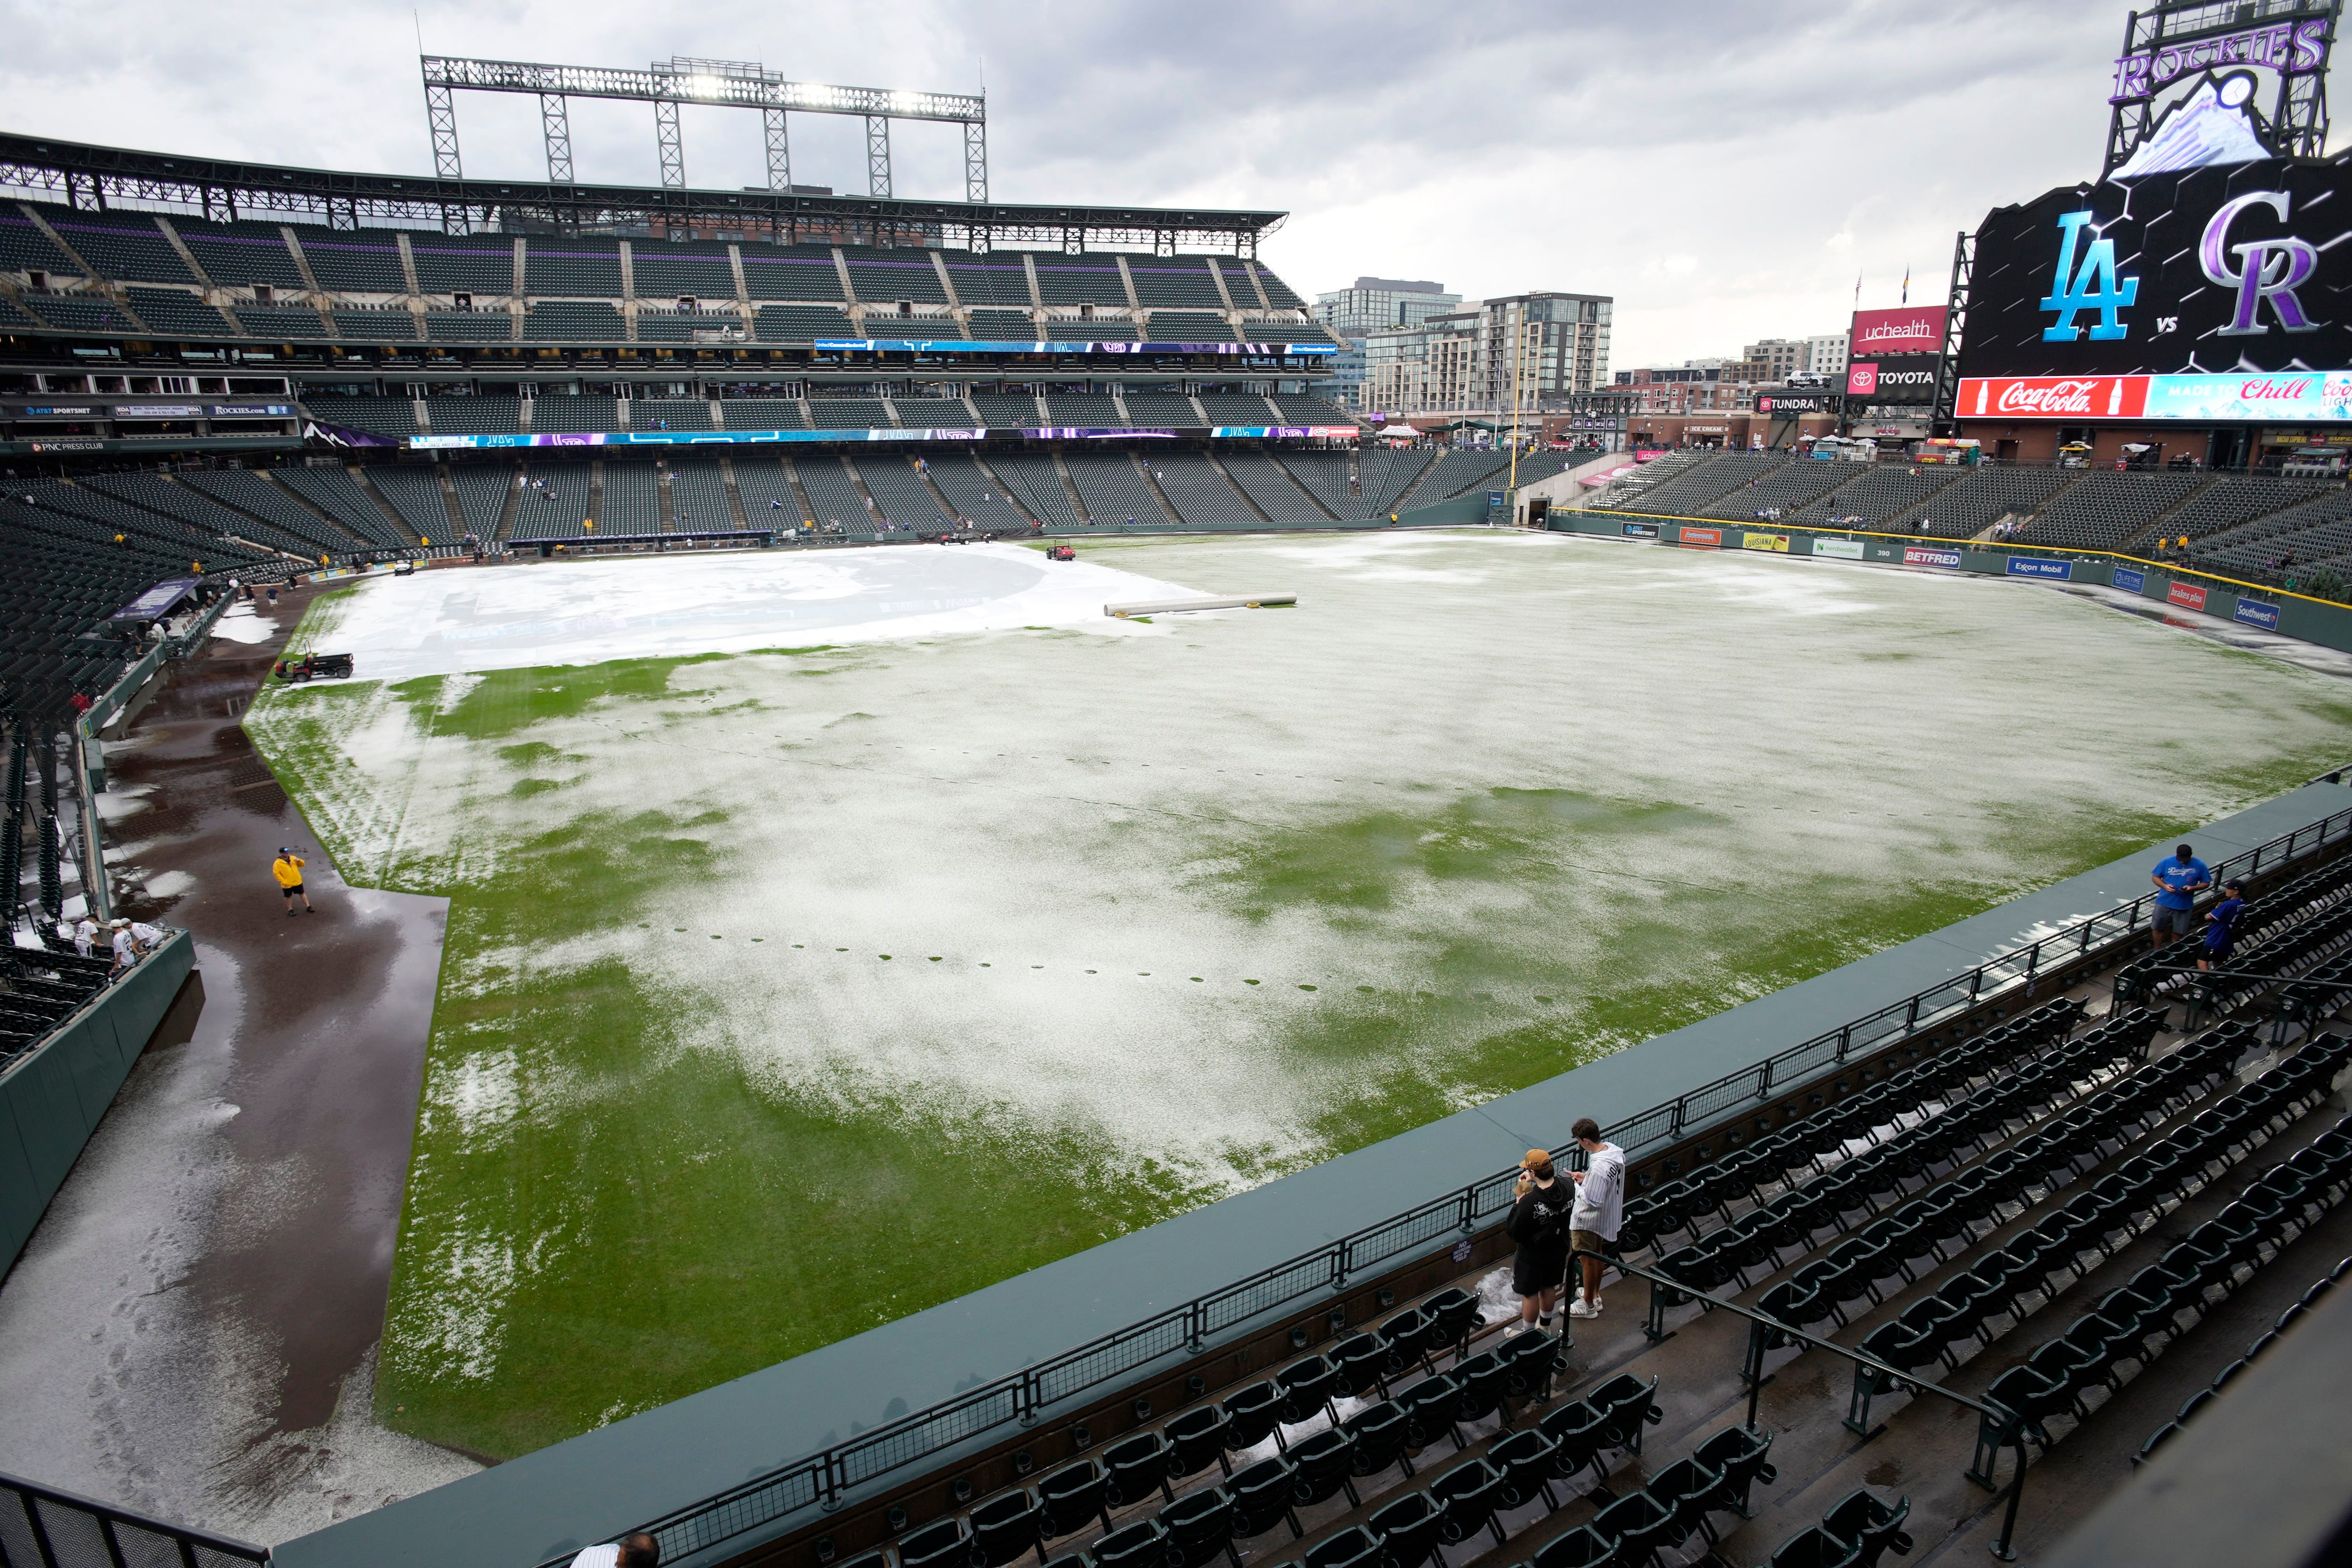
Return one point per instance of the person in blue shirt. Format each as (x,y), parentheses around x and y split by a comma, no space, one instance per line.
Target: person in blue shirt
(2179,880)
(2222,924)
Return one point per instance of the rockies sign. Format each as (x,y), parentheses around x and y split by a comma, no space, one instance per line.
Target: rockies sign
(2224,271)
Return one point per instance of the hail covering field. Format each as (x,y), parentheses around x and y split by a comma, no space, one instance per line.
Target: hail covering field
(834,934)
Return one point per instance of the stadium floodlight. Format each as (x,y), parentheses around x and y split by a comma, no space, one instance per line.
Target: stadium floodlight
(666,84)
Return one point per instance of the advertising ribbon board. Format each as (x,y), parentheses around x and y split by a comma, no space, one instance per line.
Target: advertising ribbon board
(2129,580)
(1777,543)
(1701,539)
(1923,555)
(1641,530)
(2033,567)
(1839,549)
(2188,595)
(2255,613)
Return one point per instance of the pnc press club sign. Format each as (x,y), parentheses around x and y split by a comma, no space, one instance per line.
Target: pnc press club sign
(2217,293)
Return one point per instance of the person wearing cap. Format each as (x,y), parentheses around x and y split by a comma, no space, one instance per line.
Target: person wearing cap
(288,869)
(85,936)
(1599,1209)
(2222,924)
(1538,1222)
(2178,881)
(126,946)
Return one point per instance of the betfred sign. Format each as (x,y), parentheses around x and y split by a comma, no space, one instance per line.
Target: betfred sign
(2188,595)
(1912,329)
(2053,398)
(1927,555)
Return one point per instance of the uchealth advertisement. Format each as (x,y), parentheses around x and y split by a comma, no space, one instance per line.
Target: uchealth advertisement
(1839,549)
(1701,539)
(1911,330)
(2298,395)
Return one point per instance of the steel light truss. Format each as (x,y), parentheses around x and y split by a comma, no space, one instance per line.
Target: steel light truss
(555,126)
(877,154)
(726,84)
(2299,112)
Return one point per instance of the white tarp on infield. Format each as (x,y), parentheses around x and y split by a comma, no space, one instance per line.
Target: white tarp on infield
(451,620)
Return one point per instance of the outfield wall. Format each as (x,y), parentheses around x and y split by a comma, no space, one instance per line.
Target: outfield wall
(2298,616)
(951,1360)
(52,1101)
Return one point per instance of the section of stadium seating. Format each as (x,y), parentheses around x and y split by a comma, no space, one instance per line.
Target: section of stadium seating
(332,490)
(243,254)
(1982,498)
(632,499)
(828,485)
(482,494)
(1873,495)
(416,495)
(698,496)
(1033,480)
(178,311)
(905,500)
(1113,493)
(1270,486)
(671,413)
(553,502)
(2104,508)
(670,271)
(1198,491)
(575,287)
(975,495)
(1781,490)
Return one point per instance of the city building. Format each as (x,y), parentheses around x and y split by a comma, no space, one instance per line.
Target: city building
(1353,314)
(1825,353)
(1536,352)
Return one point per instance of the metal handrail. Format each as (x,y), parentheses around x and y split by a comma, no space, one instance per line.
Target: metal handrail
(2013,1425)
(113,1525)
(823,1478)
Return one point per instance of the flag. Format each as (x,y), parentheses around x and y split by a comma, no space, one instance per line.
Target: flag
(1857,290)
(1907,286)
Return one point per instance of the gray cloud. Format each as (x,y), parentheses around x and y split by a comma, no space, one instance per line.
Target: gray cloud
(1726,168)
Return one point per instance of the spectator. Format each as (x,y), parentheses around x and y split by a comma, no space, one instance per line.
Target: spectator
(2177,882)
(288,869)
(85,936)
(1538,1223)
(273,594)
(149,938)
(2222,924)
(638,1550)
(126,947)
(1600,1207)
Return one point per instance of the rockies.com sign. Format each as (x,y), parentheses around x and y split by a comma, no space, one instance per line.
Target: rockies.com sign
(2232,268)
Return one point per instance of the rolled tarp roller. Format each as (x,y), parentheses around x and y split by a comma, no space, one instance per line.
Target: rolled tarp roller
(1170,606)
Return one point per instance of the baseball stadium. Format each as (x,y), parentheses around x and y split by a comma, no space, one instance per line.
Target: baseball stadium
(931,910)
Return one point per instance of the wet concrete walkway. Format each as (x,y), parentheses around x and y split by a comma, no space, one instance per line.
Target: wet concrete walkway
(192,1330)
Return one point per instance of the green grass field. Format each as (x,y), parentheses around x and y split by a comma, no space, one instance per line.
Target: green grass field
(788,992)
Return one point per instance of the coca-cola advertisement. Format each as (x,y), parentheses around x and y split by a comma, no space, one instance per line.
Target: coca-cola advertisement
(1910,329)
(2053,398)
(2218,270)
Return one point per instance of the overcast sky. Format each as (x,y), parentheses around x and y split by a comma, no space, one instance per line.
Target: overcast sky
(1725,168)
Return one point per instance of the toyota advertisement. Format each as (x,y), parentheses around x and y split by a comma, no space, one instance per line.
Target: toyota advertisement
(2211,293)
(1890,356)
